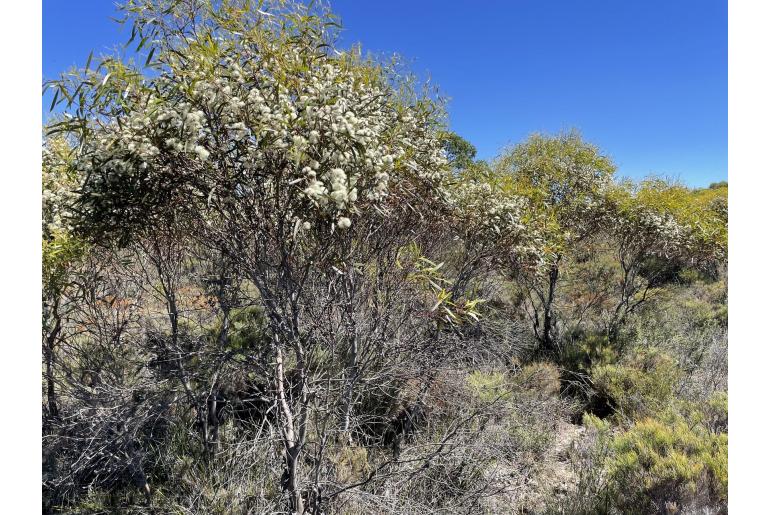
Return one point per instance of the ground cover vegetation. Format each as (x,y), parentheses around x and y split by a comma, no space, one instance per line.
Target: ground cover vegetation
(274,281)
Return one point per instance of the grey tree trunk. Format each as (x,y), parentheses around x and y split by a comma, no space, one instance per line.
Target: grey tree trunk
(548,321)
(50,344)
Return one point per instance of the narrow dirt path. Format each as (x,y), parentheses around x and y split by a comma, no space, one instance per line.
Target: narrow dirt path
(555,476)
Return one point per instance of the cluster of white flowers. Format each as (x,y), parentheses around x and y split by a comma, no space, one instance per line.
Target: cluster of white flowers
(59,186)
(653,231)
(336,141)
(492,218)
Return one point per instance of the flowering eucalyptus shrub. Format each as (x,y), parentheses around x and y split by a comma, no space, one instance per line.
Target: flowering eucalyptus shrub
(493,219)
(564,181)
(670,221)
(304,168)
(253,111)
(656,222)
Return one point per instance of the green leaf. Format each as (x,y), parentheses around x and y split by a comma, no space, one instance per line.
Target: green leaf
(149,57)
(67,95)
(88,61)
(141,43)
(53,102)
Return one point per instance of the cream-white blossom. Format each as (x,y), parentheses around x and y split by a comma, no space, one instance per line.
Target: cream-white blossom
(338,144)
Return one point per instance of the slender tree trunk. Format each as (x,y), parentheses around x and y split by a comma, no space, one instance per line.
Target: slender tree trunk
(548,322)
(50,344)
(292,445)
(173,316)
(200,405)
(212,418)
(292,457)
(351,368)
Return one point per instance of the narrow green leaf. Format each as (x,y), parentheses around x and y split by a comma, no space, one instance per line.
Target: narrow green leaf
(67,95)
(77,92)
(55,98)
(133,36)
(149,57)
(88,61)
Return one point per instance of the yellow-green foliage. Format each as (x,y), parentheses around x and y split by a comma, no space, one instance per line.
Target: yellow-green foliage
(701,216)
(487,386)
(640,386)
(703,313)
(559,169)
(597,424)
(563,179)
(701,303)
(667,460)
(541,378)
(589,351)
(60,253)
(717,404)
(61,249)
(715,412)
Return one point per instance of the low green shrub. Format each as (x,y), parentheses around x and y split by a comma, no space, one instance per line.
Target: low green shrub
(540,377)
(531,432)
(523,410)
(640,386)
(583,351)
(668,462)
(247,328)
(487,386)
(351,463)
(716,412)
(703,313)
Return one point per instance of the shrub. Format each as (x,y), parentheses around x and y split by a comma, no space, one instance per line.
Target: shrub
(689,275)
(709,413)
(703,313)
(588,457)
(351,463)
(715,412)
(247,328)
(526,409)
(668,462)
(532,429)
(641,386)
(487,386)
(541,378)
(587,350)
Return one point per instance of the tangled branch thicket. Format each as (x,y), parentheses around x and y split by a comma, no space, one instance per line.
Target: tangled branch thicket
(275,282)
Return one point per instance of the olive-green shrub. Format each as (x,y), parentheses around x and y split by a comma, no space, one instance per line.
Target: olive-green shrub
(640,386)
(668,462)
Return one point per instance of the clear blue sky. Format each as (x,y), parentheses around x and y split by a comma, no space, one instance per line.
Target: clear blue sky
(646,80)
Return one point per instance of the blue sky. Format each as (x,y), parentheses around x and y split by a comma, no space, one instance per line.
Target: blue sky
(645,80)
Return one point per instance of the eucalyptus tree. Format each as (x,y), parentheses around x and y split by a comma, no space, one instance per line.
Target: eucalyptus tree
(564,181)
(460,152)
(657,225)
(306,167)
